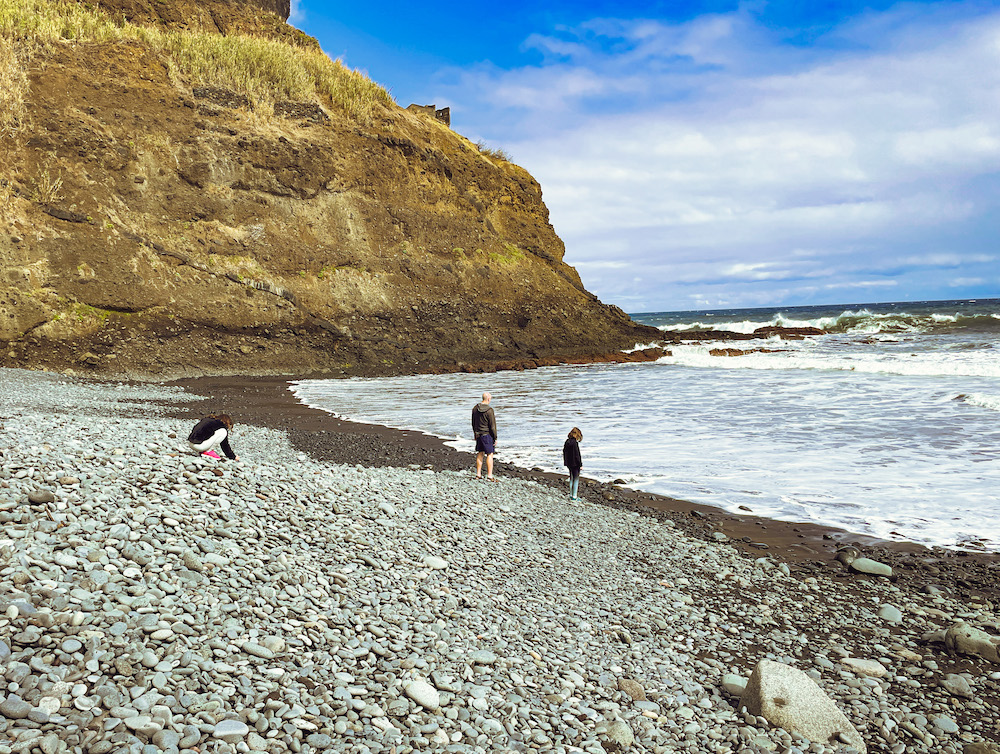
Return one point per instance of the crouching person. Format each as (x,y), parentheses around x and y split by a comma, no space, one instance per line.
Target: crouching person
(213,432)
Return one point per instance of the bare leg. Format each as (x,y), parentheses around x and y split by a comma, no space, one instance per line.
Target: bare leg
(479,464)
(489,466)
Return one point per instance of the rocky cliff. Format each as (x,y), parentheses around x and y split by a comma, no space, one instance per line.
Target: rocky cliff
(214,16)
(161,216)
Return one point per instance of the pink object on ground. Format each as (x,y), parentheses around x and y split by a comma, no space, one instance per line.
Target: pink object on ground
(212,454)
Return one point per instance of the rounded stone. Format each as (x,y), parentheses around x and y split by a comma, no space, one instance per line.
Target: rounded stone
(734,684)
(189,737)
(137,722)
(423,694)
(38,716)
(956,685)
(483,657)
(258,651)
(274,643)
(946,724)
(491,727)
(231,731)
(167,739)
(871,567)
(50,704)
(14,708)
(620,734)
(872,668)
(890,614)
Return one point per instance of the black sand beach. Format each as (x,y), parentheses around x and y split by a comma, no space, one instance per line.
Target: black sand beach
(804,547)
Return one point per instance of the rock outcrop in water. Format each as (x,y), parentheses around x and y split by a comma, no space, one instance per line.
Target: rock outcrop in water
(158,219)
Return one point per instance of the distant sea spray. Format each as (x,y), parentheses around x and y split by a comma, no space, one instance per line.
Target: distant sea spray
(866,319)
(947,339)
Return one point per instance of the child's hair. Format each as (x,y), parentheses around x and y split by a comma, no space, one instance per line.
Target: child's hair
(224,418)
(575,434)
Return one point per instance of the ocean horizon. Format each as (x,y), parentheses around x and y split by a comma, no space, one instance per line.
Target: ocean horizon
(886,425)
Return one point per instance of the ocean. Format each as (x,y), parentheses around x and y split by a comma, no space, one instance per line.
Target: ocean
(887,426)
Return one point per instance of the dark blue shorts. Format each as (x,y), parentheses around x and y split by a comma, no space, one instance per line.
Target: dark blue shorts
(484,444)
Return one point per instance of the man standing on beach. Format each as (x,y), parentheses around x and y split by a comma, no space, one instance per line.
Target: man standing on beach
(484,428)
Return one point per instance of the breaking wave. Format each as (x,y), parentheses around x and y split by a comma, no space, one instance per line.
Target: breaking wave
(857,321)
(991,402)
(979,363)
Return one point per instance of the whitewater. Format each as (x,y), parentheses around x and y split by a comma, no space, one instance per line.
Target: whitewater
(886,425)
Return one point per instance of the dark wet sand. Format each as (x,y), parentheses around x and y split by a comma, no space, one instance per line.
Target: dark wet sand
(805,547)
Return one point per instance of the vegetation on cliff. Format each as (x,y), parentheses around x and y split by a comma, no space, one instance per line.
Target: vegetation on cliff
(264,70)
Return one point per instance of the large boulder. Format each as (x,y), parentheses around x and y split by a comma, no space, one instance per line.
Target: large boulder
(969,640)
(789,699)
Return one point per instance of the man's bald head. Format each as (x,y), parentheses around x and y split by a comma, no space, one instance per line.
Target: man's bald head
(486,397)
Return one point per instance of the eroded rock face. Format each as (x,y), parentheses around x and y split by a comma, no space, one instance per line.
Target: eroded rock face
(190,235)
(225,16)
(281,8)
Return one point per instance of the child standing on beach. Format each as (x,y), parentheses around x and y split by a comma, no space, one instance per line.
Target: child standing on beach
(573,462)
(211,432)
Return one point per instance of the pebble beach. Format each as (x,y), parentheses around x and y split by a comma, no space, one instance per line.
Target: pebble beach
(152,600)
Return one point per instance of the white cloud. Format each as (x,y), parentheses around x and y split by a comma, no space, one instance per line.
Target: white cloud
(709,149)
(603,265)
(947,260)
(966,145)
(862,284)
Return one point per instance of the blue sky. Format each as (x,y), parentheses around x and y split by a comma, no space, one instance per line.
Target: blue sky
(715,155)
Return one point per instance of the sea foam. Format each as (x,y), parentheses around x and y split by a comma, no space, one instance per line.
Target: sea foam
(850,429)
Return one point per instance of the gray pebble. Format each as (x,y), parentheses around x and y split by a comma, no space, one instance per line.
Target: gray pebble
(14,708)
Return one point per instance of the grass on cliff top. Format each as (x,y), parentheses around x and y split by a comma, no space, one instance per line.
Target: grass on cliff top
(13,87)
(264,70)
(495,153)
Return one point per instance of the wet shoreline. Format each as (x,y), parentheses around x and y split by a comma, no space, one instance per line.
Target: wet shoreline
(267,401)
